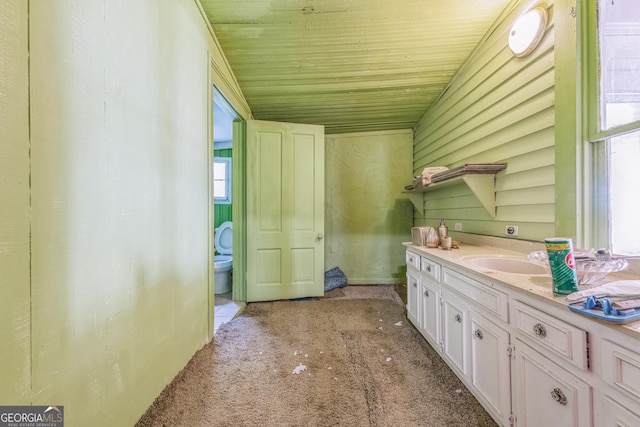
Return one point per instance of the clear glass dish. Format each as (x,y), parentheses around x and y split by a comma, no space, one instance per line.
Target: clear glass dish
(591,271)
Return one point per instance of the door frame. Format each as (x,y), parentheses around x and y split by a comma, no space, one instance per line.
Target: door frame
(239,213)
(239,289)
(210,308)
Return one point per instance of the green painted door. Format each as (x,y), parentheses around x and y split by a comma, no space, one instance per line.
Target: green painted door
(285,210)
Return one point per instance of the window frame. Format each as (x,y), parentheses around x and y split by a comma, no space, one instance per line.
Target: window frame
(227,180)
(597,231)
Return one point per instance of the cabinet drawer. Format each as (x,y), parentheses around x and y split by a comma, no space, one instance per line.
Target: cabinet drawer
(553,334)
(621,368)
(493,300)
(413,260)
(430,268)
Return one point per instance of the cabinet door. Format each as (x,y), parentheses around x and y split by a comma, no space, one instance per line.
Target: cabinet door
(547,394)
(413,302)
(454,331)
(431,311)
(621,368)
(614,415)
(490,365)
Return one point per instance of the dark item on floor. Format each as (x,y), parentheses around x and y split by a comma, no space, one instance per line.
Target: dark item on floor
(334,278)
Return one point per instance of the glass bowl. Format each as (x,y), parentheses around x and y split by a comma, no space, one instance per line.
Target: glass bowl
(590,270)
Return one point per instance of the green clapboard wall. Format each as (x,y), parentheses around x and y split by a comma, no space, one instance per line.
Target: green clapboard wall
(498,108)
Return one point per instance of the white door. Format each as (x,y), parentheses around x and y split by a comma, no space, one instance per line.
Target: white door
(285,210)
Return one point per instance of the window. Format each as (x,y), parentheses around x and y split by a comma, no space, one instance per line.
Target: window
(619,59)
(614,122)
(222,180)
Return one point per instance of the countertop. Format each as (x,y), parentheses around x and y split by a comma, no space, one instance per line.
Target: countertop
(537,286)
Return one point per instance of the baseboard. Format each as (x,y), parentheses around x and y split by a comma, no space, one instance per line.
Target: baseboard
(386,281)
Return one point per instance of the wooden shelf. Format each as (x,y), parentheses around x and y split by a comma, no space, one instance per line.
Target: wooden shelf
(482,186)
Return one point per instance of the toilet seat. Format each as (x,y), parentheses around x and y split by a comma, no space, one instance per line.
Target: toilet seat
(221,262)
(224,238)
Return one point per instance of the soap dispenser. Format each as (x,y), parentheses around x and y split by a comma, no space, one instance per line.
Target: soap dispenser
(443,229)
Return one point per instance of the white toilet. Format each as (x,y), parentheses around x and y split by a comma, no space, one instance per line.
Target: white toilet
(223,238)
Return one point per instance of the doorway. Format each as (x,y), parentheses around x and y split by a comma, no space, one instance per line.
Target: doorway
(224,115)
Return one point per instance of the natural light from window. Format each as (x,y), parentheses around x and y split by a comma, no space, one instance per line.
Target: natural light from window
(624,178)
(619,95)
(620,62)
(222,180)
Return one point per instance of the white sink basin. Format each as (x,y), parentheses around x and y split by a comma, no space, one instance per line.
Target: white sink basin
(507,265)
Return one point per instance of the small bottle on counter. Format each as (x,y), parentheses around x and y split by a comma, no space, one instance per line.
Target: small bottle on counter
(447,243)
(602,254)
(443,230)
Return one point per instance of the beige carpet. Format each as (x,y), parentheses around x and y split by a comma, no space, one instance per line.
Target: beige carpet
(348,359)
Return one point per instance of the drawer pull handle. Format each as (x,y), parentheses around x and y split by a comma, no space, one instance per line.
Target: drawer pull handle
(415,284)
(478,334)
(458,318)
(429,268)
(426,293)
(559,396)
(539,330)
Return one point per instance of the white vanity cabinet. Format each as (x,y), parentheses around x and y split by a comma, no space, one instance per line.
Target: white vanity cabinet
(550,334)
(526,358)
(613,414)
(461,318)
(551,358)
(621,368)
(413,295)
(413,291)
(490,361)
(431,301)
(546,394)
(485,346)
(619,400)
(455,332)
(431,325)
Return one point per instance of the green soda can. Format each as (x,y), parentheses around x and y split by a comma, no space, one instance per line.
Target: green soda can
(562,264)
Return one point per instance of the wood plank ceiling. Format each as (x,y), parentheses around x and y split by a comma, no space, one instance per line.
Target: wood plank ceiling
(350,65)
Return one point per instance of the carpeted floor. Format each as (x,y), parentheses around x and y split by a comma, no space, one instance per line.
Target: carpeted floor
(348,359)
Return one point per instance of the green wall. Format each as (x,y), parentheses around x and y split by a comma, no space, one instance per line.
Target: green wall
(366,216)
(15,327)
(105,158)
(498,108)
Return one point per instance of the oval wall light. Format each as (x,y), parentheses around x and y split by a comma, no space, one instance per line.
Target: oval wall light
(527,32)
